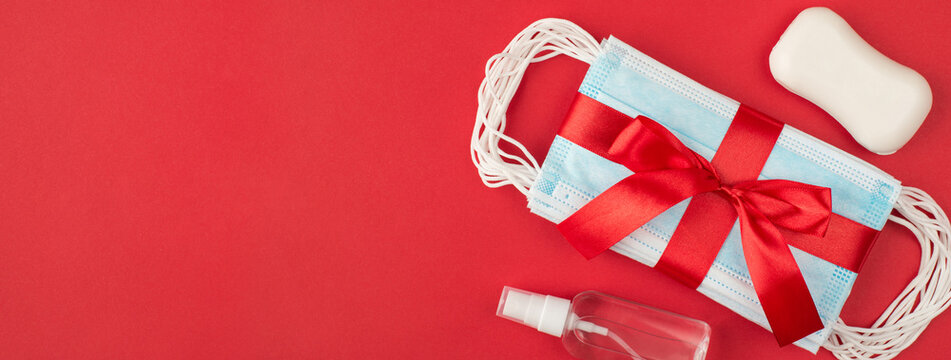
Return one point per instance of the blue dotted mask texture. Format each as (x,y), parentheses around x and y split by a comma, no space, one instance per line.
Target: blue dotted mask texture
(633,83)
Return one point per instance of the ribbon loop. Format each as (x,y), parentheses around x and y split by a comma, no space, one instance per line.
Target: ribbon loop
(645,136)
(790,205)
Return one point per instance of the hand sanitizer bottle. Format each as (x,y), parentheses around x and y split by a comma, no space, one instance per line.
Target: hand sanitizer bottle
(599,326)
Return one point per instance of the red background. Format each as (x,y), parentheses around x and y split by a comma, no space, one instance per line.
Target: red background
(291,180)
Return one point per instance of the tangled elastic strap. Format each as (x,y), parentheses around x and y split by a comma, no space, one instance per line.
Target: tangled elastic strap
(928,294)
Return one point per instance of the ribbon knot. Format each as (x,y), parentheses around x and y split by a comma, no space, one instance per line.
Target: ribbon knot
(653,152)
(666,172)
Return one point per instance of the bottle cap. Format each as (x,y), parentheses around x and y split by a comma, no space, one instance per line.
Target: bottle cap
(546,313)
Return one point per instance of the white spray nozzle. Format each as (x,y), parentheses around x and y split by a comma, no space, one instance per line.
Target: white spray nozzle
(546,313)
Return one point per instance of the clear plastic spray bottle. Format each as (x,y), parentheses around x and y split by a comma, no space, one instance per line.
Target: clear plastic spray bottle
(599,326)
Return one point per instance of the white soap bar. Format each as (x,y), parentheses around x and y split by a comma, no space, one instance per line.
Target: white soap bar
(879,101)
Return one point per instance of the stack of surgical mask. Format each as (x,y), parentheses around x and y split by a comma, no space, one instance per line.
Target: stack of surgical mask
(634,84)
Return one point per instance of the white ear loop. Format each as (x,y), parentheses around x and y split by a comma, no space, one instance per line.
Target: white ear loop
(543,40)
(926,297)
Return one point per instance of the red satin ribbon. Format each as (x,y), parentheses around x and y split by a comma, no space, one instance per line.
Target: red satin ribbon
(772,213)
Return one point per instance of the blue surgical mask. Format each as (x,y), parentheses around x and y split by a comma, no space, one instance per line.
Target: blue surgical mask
(634,84)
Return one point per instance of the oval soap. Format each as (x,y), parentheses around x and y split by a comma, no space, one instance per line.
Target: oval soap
(880,102)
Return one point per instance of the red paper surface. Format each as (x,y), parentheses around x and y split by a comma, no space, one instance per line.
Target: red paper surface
(291,180)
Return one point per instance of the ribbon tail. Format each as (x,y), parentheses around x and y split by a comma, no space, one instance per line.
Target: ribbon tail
(695,243)
(779,284)
(628,205)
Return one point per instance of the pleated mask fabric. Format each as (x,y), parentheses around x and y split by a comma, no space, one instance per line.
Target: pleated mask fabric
(635,84)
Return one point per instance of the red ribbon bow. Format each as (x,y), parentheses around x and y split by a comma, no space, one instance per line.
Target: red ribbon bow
(666,172)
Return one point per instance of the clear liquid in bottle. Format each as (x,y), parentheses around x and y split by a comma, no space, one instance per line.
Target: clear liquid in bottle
(599,326)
